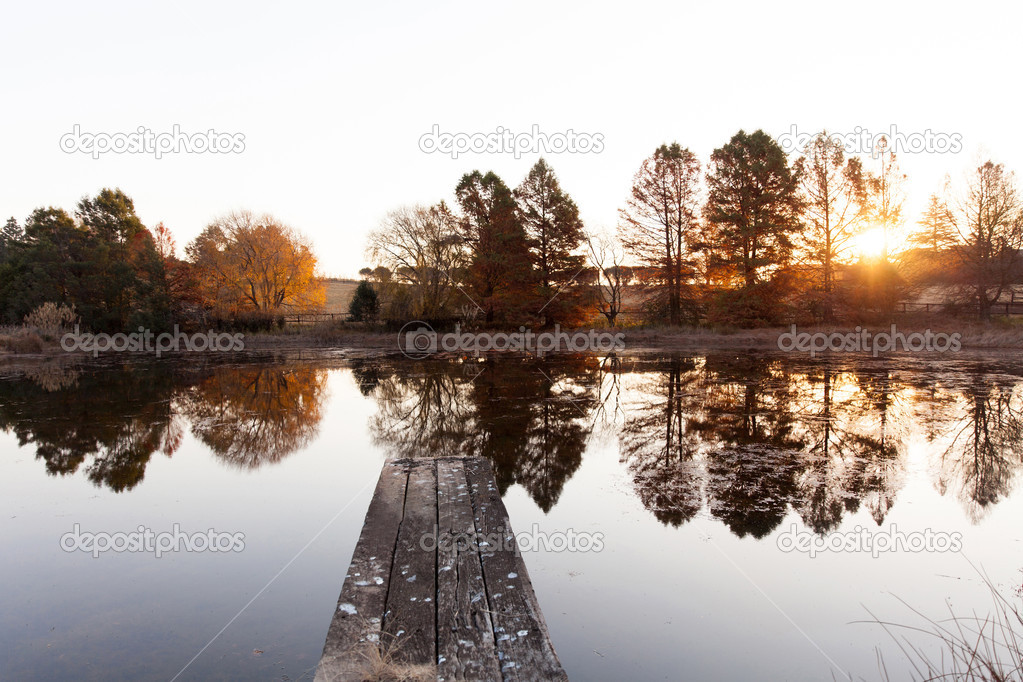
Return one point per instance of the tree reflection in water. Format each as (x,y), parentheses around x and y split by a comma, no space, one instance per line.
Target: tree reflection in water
(254,415)
(530,418)
(114,418)
(117,417)
(744,438)
(982,459)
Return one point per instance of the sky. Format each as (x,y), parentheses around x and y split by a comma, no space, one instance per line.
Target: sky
(331,100)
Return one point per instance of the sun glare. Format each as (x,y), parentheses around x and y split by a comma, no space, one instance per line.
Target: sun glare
(869,243)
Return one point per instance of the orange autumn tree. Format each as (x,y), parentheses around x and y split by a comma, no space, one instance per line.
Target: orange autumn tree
(247,263)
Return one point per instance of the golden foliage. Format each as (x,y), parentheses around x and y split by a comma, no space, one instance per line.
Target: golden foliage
(246,263)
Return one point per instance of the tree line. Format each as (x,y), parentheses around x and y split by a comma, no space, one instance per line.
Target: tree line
(117,274)
(752,237)
(502,256)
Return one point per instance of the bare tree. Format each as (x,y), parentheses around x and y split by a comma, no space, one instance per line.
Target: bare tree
(608,257)
(420,246)
(988,219)
(835,202)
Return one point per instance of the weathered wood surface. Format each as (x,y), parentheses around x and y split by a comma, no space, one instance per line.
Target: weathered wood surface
(464,627)
(355,627)
(436,581)
(410,619)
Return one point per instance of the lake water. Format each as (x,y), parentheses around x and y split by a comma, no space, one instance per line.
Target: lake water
(698,471)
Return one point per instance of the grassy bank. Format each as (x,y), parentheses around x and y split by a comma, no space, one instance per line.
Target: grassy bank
(998,334)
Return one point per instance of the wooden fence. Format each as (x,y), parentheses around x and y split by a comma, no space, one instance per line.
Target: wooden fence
(312,318)
(1000,308)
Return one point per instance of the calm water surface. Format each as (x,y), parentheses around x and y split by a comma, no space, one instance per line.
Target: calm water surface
(692,467)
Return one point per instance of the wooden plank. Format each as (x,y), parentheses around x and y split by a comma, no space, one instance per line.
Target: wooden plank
(465,633)
(410,619)
(524,648)
(465,609)
(356,622)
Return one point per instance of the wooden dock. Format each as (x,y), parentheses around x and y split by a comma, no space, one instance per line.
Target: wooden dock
(436,583)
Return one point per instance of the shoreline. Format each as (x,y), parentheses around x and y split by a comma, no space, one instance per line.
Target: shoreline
(343,344)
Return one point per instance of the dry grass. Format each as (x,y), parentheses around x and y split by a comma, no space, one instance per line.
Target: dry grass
(974,335)
(974,648)
(375,658)
(21,341)
(994,335)
(323,335)
(380,664)
(50,320)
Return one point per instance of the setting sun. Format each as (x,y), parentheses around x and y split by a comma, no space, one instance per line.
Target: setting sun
(869,244)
